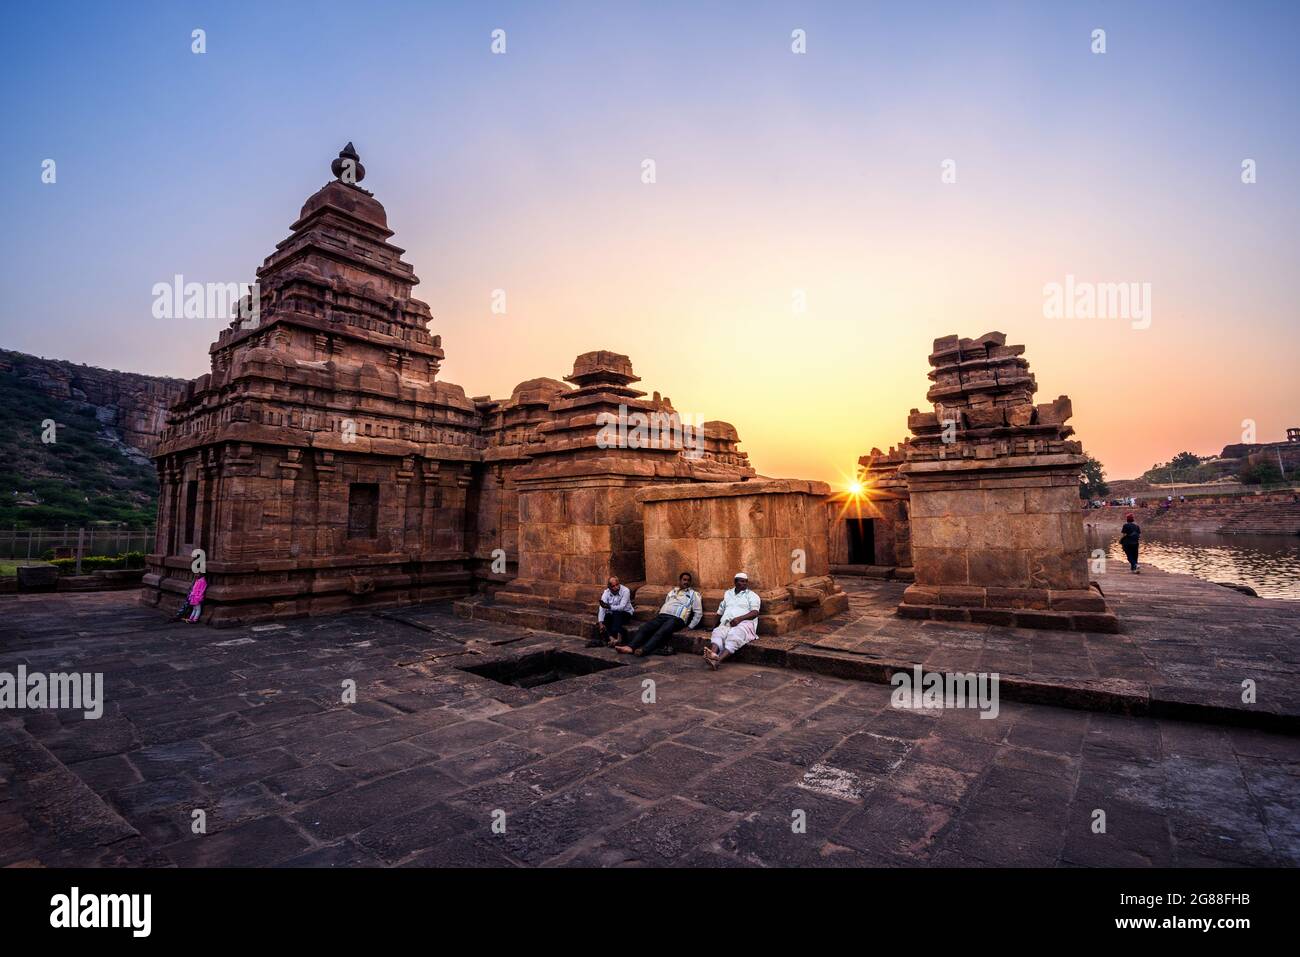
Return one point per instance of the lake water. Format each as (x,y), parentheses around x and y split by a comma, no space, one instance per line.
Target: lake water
(1270,564)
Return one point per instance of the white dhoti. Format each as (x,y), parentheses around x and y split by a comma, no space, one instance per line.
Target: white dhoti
(732,638)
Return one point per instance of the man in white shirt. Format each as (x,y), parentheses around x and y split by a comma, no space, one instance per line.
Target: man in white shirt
(681,609)
(614,613)
(738,622)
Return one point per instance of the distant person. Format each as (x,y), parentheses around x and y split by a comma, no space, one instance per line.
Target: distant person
(738,622)
(194,601)
(614,613)
(1129,534)
(681,609)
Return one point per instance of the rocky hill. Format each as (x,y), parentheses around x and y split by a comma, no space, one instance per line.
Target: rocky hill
(132,406)
(98,467)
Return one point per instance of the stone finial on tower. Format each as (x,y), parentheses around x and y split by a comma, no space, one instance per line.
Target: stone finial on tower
(347,168)
(604,371)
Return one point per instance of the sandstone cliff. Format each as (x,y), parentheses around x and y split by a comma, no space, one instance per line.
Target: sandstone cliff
(131,407)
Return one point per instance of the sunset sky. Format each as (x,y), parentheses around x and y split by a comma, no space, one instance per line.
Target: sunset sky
(777,174)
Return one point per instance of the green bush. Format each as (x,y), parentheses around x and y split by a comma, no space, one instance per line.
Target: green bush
(1261,473)
(96,563)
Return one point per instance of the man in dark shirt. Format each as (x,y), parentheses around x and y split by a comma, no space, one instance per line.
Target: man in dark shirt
(681,609)
(1129,534)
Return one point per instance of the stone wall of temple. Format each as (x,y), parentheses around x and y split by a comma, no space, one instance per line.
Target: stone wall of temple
(773,530)
(510,429)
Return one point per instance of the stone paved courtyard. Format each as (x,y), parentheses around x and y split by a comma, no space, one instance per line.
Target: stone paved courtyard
(1185,647)
(248,725)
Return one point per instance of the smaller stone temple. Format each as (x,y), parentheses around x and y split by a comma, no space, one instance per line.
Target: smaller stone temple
(868,525)
(579,518)
(993,479)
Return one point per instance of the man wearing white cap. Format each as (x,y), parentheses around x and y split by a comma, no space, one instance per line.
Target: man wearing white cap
(738,622)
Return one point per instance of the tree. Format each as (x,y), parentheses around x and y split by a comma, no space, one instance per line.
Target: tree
(1184,460)
(1261,473)
(1092,482)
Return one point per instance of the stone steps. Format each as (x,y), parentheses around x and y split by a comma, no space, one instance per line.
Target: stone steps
(561,621)
(878,572)
(1264,518)
(567,616)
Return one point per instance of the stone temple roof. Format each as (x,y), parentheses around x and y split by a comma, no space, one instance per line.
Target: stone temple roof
(602,367)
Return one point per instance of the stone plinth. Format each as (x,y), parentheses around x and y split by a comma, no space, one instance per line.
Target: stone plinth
(996,529)
(775,531)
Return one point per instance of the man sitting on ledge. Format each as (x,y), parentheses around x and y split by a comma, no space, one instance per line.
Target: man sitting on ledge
(681,609)
(738,622)
(614,613)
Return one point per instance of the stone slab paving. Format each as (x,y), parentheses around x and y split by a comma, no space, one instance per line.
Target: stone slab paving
(752,766)
(1184,650)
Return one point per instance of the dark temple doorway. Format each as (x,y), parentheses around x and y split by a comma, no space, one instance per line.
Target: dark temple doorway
(862,541)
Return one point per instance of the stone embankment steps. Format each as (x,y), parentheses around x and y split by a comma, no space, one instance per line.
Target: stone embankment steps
(1278,520)
(1265,518)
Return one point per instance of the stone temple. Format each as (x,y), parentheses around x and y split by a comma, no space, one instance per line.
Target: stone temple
(980,507)
(322,465)
(993,480)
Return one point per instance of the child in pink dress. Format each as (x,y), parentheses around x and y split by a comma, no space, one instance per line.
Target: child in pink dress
(194,603)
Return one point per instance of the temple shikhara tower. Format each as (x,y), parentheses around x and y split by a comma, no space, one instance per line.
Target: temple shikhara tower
(321,460)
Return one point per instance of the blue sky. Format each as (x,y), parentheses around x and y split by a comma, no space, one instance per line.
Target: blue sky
(775,171)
